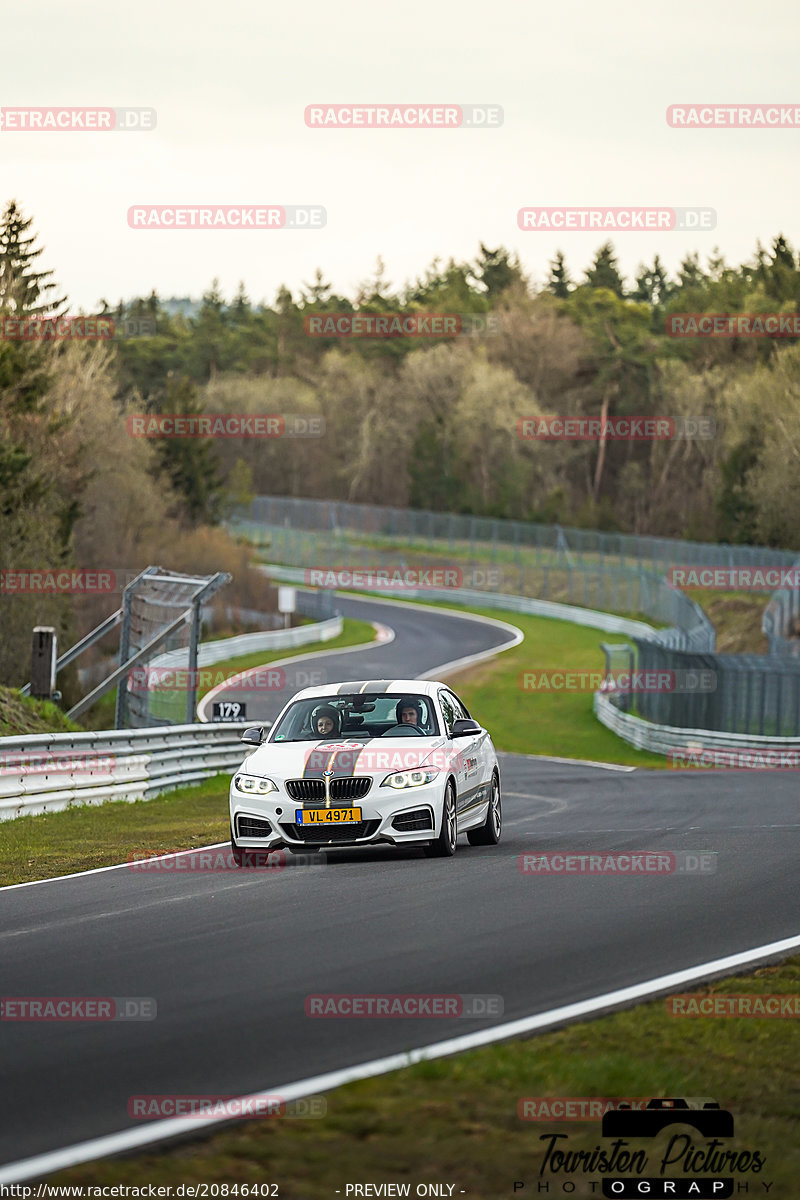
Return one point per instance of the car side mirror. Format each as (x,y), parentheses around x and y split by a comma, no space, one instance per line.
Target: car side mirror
(465,727)
(254,736)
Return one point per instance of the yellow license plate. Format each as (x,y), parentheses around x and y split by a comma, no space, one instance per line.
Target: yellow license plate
(327,816)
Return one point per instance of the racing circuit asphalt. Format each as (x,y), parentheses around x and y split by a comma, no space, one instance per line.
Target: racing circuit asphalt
(230,957)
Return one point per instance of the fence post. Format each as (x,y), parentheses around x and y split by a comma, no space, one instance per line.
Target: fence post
(194,637)
(43,662)
(121,714)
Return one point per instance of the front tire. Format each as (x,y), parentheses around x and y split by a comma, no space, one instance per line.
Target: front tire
(248,858)
(236,853)
(445,844)
(490,832)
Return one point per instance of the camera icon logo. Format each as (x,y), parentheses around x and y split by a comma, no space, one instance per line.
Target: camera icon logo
(704,1114)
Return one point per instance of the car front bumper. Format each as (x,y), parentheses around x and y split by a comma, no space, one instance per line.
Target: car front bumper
(384,818)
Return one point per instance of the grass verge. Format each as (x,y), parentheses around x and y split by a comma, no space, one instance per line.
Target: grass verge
(78,839)
(456,1120)
(19,716)
(548,579)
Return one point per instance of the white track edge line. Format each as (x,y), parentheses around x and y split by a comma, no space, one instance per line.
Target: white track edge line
(457,663)
(10,887)
(130,1139)
(571,762)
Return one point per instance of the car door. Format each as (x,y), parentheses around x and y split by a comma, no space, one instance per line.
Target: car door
(478,767)
(466,761)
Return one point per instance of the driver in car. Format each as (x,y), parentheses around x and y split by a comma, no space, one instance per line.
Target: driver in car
(409,712)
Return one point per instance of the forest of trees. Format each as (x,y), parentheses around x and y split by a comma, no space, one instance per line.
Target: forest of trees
(429,423)
(444,411)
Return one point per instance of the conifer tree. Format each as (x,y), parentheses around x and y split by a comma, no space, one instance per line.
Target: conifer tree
(603,272)
(559,282)
(23,290)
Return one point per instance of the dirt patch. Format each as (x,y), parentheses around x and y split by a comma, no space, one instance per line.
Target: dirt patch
(736,616)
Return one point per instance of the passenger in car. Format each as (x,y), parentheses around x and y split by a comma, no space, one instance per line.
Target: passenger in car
(326,720)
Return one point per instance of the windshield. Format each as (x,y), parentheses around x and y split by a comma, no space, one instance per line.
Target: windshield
(360,716)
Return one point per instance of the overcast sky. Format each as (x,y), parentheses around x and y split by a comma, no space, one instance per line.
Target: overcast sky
(584,88)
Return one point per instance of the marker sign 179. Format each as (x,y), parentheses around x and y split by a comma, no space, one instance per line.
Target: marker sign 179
(228,710)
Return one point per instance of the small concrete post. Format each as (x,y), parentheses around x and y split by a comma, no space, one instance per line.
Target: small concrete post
(43,662)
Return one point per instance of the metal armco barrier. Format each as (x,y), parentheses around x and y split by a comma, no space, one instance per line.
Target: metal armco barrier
(666,739)
(50,771)
(567,573)
(209,653)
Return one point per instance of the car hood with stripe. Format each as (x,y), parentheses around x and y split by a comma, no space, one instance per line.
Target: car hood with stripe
(345,758)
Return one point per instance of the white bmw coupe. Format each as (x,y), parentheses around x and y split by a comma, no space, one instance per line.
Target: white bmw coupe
(394,761)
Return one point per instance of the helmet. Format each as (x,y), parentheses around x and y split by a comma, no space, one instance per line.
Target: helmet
(408,702)
(325,710)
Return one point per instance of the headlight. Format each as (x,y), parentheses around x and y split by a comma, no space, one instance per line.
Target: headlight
(255,785)
(409,779)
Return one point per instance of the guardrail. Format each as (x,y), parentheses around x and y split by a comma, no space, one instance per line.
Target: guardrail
(209,653)
(667,739)
(51,771)
(617,572)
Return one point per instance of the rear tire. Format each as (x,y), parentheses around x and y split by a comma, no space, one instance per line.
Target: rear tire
(445,844)
(490,832)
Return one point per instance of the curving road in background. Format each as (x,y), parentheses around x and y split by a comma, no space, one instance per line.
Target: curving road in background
(424,640)
(230,957)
